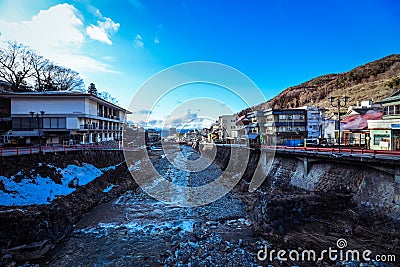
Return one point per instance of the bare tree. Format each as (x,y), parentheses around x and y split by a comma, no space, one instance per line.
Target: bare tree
(66,79)
(108,97)
(15,65)
(41,72)
(26,70)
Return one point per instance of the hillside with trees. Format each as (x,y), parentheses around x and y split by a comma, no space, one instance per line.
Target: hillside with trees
(375,80)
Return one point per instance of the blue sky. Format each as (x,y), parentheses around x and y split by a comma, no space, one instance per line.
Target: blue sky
(118,45)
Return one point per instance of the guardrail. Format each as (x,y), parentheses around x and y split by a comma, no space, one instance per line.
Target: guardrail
(16,151)
(358,151)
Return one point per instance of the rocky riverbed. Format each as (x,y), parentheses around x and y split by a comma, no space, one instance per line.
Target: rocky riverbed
(138,230)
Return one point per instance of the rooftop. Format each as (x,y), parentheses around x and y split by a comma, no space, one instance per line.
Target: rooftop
(393,97)
(52,94)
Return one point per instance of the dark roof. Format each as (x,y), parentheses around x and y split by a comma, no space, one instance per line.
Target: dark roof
(5,83)
(393,97)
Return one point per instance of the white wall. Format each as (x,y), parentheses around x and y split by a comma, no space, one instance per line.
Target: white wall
(228,123)
(90,107)
(49,105)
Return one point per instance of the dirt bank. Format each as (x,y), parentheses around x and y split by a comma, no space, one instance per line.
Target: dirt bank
(28,232)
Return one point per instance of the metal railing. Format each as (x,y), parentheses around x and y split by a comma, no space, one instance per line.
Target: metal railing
(17,151)
(351,151)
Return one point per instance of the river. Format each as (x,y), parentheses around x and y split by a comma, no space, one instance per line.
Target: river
(138,230)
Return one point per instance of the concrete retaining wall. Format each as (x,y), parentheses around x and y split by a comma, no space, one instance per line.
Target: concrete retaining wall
(29,231)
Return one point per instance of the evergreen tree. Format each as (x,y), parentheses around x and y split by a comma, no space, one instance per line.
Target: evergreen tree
(92,89)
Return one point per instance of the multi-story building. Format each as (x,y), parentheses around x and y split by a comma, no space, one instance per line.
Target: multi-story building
(284,126)
(256,122)
(385,133)
(58,117)
(315,117)
(227,128)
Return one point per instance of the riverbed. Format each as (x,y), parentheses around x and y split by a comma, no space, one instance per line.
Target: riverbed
(138,230)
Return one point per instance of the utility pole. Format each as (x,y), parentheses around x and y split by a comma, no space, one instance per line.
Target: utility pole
(338,105)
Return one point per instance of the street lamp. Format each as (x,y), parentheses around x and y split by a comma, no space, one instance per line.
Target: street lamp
(38,126)
(338,105)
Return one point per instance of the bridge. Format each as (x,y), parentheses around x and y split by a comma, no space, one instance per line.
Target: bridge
(385,162)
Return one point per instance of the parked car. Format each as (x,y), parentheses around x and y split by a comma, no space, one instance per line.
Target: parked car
(321,142)
(309,143)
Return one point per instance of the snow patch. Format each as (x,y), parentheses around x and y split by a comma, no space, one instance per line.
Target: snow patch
(136,166)
(108,189)
(43,190)
(111,167)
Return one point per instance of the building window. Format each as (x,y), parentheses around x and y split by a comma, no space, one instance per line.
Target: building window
(54,123)
(391,110)
(62,123)
(46,123)
(397,109)
(26,124)
(385,111)
(16,123)
(381,138)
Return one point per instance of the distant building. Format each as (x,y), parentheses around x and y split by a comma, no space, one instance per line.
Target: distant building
(172,131)
(152,136)
(227,128)
(240,134)
(354,125)
(256,122)
(68,117)
(362,108)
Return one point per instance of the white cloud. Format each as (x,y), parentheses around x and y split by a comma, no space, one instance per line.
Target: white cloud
(156,40)
(187,119)
(58,34)
(138,42)
(59,25)
(103,30)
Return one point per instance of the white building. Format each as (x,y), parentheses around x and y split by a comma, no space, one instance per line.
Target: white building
(315,119)
(228,127)
(68,116)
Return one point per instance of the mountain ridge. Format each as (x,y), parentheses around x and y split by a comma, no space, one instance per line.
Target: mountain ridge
(374,80)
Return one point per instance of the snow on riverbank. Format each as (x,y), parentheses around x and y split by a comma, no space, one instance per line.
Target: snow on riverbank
(43,190)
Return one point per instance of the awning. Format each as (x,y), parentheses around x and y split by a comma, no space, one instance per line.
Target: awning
(359,121)
(253,136)
(241,118)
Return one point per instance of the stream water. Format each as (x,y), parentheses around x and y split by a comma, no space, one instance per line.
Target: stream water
(138,230)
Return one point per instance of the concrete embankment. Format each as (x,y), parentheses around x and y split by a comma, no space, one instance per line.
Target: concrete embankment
(313,206)
(27,232)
